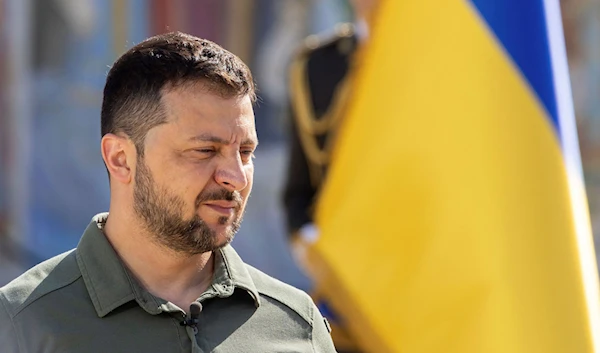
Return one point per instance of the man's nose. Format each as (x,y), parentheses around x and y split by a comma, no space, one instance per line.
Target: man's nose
(231,174)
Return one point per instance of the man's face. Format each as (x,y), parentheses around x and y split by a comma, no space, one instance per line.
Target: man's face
(193,182)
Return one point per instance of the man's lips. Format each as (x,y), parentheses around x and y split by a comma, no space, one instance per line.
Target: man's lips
(222,206)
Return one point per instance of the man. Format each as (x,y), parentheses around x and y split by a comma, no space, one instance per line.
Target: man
(178,138)
(320,86)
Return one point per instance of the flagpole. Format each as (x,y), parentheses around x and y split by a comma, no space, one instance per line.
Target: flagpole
(570,147)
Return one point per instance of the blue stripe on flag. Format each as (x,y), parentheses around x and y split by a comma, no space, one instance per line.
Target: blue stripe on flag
(520,25)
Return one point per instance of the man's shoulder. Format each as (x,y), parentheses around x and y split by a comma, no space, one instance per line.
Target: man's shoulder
(46,277)
(287,295)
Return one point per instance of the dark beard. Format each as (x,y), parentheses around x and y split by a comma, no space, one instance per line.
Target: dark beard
(161,213)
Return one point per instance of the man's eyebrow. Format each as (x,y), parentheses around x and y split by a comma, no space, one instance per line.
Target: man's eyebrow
(217,139)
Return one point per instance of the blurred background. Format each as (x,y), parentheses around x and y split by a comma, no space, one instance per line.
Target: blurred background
(54,57)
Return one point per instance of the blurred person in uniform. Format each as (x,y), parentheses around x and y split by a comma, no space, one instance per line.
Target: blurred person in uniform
(320,87)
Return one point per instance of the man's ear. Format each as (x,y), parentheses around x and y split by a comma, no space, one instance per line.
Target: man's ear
(119,155)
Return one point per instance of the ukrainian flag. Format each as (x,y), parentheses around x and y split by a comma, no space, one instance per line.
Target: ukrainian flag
(454,218)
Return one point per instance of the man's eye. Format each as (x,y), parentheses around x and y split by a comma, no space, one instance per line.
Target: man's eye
(247,153)
(205,150)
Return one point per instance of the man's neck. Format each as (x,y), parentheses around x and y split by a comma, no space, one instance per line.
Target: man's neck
(169,275)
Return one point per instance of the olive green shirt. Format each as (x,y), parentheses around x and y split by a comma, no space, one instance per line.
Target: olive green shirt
(85,300)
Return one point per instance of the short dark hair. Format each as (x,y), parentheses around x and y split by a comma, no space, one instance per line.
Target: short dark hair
(134,85)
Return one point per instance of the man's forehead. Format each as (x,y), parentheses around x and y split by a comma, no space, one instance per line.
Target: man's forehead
(197,122)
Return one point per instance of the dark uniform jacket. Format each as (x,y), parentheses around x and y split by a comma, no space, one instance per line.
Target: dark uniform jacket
(319,92)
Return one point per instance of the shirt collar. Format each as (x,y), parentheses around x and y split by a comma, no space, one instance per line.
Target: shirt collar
(111,285)
(229,268)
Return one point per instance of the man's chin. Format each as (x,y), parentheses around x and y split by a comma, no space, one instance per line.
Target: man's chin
(223,236)
(221,242)
(222,233)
